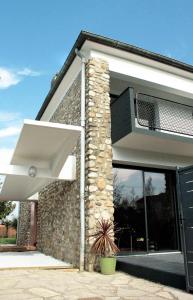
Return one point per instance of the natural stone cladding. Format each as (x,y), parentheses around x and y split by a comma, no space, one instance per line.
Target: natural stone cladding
(23,230)
(59,203)
(99,182)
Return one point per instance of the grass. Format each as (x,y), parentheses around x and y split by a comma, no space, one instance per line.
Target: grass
(8,240)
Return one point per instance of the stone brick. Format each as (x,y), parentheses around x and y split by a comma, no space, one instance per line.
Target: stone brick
(101,183)
(100,192)
(23,228)
(59,206)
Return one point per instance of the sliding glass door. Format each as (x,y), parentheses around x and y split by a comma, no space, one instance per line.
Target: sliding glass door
(145,211)
(129,209)
(161,212)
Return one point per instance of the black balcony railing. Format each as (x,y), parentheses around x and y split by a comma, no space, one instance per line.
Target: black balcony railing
(164,115)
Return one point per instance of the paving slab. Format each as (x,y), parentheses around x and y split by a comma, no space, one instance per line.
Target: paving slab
(60,285)
(30,259)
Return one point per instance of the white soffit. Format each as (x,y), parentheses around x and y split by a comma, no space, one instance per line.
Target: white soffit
(148,73)
(93,49)
(142,68)
(166,144)
(45,145)
(149,159)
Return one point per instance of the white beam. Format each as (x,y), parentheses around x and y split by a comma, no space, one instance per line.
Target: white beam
(169,79)
(68,171)
(136,157)
(23,171)
(34,197)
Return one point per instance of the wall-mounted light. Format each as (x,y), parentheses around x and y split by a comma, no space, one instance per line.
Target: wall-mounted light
(32,172)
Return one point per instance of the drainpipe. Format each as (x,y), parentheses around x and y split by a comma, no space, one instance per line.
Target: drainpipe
(82,163)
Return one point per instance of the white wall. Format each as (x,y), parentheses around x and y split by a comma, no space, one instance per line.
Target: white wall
(149,159)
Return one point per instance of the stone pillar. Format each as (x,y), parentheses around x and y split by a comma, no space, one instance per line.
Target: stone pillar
(33,219)
(99,183)
(23,228)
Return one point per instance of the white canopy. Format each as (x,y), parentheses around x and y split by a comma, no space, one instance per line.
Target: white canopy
(44,147)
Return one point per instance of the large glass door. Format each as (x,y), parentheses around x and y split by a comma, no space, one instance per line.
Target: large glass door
(161,216)
(129,212)
(145,211)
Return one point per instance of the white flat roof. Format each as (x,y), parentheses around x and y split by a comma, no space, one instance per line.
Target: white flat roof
(44,145)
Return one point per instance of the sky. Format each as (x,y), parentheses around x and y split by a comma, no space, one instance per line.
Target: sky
(36,37)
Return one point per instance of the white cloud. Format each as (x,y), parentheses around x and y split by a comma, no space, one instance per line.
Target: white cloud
(10,77)
(9,131)
(28,72)
(8,116)
(5,155)
(10,127)
(5,158)
(168,54)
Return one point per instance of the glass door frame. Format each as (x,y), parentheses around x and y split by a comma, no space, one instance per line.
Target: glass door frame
(175,200)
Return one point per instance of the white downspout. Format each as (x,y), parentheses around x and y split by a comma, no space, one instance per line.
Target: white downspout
(82,163)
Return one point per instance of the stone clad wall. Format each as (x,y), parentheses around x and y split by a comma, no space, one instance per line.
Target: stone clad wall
(99,184)
(59,204)
(23,228)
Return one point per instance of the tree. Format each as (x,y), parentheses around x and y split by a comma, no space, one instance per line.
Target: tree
(7,223)
(6,207)
(14,223)
(149,188)
(116,189)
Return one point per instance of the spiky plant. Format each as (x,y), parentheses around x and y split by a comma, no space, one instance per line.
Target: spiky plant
(104,239)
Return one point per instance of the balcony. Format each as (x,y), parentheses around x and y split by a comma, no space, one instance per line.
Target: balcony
(163,115)
(149,123)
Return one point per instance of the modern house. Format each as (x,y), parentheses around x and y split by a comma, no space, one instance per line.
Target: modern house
(122,122)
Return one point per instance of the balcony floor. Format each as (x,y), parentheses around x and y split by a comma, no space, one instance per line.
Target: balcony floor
(147,140)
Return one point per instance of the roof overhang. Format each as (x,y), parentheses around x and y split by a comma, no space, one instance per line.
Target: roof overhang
(45,146)
(114,47)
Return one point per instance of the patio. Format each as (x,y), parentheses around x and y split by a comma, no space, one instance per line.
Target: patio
(61,285)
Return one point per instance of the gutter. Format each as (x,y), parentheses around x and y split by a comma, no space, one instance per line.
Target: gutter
(83,36)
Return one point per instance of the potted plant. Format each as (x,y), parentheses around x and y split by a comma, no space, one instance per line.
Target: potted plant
(104,246)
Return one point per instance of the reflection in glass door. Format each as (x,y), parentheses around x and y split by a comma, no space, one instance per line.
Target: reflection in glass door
(161,220)
(129,210)
(144,211)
